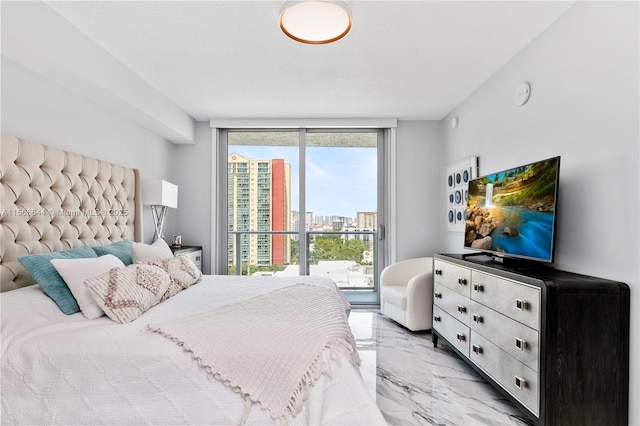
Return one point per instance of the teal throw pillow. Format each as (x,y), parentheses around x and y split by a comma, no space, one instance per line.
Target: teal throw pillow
(121,250)
(41,269)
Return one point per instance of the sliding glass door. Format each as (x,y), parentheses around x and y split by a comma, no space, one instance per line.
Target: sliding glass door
(306,202)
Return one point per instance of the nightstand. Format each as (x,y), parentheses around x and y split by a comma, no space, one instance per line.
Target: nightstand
(194,253)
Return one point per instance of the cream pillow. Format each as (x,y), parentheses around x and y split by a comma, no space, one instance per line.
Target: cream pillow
(159,250)
(75,271)
(182,273)
(126,293)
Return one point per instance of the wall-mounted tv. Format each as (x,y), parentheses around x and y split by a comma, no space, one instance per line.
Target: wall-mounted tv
(512,213)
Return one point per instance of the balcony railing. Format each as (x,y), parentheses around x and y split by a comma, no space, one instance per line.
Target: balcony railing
(349,274)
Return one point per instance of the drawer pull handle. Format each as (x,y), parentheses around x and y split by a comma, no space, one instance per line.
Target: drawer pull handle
(522,305)
(462,309)
(437,295)
(462,281)
(478,287)
(521,344)
(437,319)
(477,318)
(477,349)
(520,382)
(438,271)
(460,337)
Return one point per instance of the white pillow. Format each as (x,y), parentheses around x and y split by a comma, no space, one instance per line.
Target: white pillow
(159,250)
(75,271)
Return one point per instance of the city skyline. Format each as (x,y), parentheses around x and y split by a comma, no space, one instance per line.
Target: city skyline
(259,199)
(340,181)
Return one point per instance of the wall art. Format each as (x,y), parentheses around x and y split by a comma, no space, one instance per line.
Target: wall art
(457,181)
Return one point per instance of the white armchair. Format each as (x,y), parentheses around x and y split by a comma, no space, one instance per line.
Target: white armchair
(406,293)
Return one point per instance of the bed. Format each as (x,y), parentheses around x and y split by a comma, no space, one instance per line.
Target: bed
(210,352)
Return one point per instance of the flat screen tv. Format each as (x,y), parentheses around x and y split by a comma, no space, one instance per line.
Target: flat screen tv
(512,214)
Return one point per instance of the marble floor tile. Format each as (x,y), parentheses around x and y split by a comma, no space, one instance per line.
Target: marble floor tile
(414,383)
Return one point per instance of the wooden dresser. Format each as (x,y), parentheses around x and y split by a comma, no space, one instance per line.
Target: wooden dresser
(555,343)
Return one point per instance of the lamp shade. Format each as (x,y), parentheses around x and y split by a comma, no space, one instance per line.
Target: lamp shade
(159,193)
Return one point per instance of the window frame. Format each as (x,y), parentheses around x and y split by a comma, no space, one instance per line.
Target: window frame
(386,182)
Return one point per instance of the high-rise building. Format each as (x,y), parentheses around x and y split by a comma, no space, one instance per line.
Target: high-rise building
(295,224)
(259,200)
(308,220)
(367,220)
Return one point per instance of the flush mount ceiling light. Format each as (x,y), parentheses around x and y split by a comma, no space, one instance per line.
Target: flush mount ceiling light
(315,22)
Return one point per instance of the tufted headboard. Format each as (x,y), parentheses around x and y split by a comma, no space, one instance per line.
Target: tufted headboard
(54,200)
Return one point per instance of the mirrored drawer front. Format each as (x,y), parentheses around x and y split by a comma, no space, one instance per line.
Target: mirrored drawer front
(196,257)
(516,378)
(518,340)
(515,300)
(453,276)
(455,304)
(451,329)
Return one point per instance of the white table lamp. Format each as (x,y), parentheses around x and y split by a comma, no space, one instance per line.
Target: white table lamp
(159,194)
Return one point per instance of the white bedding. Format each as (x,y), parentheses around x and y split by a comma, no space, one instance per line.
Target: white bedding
(65,369)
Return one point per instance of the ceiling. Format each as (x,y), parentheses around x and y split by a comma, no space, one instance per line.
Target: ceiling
(229,59)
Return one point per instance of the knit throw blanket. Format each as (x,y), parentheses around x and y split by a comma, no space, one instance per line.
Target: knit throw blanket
(271,348)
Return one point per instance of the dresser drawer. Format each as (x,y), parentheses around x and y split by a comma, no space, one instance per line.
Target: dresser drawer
(518,340)
(196,257)
(516,378)
(455,277)
(515,300)
(456,333)
(192,252)
(455,304)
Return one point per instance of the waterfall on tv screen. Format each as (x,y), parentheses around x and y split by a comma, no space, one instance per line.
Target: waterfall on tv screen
(488,201)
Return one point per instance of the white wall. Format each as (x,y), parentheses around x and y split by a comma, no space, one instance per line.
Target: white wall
(584,106)
(192,170)
(418,163)
(36,109)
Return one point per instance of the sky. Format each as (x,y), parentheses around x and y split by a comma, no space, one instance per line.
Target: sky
(340,181)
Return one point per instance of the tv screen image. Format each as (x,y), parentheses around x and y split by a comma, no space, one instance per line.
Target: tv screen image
(512,213)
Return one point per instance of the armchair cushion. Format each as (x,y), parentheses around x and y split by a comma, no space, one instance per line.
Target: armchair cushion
(396,295)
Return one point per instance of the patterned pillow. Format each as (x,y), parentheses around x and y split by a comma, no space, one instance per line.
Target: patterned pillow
(126,293)
(182,273)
